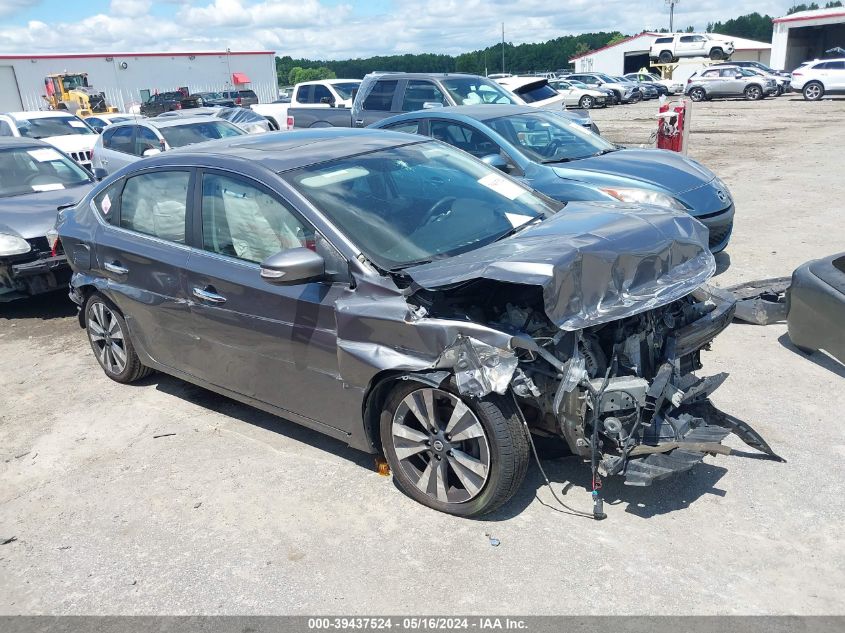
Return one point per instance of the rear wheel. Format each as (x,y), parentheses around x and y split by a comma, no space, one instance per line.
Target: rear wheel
(109,338)
(813,91)
(754,93)
(463,457)
(665,57)
(585,102)
(697,94)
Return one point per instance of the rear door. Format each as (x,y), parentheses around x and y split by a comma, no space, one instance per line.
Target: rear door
(275,344)
(142,252)
(712,82)
(378,104)
(117,148)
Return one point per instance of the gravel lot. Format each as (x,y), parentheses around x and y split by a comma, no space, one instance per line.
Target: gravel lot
(238,512)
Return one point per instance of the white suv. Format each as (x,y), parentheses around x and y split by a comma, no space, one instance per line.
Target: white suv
(670,48)
(820,77)
(60,129)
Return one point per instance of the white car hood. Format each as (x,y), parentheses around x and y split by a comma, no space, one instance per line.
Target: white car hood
(73,142)
(547,102)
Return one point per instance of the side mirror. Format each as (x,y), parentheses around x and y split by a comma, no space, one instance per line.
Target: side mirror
(151,152)
(428,105)
(100,173)
(738,76)
(496,160)
(293,266)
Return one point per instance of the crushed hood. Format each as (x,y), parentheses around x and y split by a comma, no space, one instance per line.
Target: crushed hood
(656,168)
(595,262)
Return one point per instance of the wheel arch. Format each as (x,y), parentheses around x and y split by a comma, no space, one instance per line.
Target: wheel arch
(378,391)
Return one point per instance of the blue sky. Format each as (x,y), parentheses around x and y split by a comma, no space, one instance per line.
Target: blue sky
(333,29)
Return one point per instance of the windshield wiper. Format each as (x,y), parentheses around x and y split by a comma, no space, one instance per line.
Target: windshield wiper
(517,229)
(549,161)
(605,151)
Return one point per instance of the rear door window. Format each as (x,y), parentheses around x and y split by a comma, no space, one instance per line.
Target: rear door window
(145,140)
(381,96)
(320,93)
(418,93)
(463,137)
(119,139)
(154,204)
(409,127)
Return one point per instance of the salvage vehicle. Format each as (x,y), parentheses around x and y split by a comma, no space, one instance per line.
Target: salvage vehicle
(816,306)
(651,88)
(164,102)
(212,99)
(243,97)
(578,95)
(62,130)
(384,94)
(397,294)
(671,85)
(248,120)
(325,93)
(670,48)
(623,91)
(729,81)
(534,91)
(124,143)
(820,77)
(35,179)
(566,163)
(782,83)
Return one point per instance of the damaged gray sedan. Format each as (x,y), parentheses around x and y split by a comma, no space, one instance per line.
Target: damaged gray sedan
(399,295)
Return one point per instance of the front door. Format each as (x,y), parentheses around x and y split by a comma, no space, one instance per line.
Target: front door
(275,344)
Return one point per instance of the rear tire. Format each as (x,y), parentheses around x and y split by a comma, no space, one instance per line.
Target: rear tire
(465,476)
(110,341)
(813,91)
(665,57)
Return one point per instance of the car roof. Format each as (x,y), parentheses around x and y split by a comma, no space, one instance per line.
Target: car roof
(328,81)
(478,112)
(40,114)
(169,121)
(282,151)
(21,141)
(398,75)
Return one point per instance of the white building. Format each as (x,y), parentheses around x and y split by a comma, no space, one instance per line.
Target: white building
(806,35)
(128,78)
(631,54)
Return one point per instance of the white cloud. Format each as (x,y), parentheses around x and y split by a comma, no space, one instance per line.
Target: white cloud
(10,7)
(310,28)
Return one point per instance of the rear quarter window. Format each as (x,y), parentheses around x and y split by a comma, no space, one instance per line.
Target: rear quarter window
(381,96)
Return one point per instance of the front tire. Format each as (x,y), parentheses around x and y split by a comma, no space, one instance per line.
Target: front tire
(717,54)
(813,91)
(754,93)
(110,341)
(465,457)
(585,102)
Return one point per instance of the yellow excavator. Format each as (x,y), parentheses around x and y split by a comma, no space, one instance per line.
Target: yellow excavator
(71,92)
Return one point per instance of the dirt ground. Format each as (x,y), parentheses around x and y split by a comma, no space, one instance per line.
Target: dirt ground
(233,511)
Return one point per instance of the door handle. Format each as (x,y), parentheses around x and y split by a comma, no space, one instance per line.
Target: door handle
(116,268)
(359,122)
(208,294)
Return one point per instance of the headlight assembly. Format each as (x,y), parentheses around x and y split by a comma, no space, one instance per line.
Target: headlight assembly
(13,245)
(645,196)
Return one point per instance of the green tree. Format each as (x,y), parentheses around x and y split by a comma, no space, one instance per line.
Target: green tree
(298,74)
(802,7)
(752,26)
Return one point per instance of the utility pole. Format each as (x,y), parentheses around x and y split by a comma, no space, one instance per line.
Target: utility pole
(672,4)
(503,47)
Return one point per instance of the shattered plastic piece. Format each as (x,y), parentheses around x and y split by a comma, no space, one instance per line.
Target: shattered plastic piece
(493,541)
(761,302)
(479,368)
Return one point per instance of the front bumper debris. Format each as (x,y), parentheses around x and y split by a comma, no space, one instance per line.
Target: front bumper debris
(27,278)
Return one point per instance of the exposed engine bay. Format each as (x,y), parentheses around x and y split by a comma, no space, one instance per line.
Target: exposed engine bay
(623,394)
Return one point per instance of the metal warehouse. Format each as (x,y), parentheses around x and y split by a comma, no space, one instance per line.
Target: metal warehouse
(631,54)
(806,35)
(129,78)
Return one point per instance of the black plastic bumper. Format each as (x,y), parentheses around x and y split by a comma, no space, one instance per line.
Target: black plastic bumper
(816,304)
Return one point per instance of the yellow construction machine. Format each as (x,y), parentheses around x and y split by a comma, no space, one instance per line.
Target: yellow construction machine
(71,92)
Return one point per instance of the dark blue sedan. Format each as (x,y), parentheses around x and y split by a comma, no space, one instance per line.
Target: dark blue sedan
(567,163)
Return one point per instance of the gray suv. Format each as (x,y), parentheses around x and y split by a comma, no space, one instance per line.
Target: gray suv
(624,91)
(729,81)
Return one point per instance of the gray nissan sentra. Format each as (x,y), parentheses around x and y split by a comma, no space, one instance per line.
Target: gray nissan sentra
(395,293)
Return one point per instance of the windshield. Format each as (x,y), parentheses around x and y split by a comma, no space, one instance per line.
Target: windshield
(536,92)
(608,79)
(746,72)
(190,133)
(71,82)
(415,203)
(476,90)
(345,90)
(209,95)
(28,169)
(547,138)
(578,84)
(52,126)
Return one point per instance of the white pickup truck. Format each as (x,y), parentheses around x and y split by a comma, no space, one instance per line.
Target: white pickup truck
(672,47)
(325,93)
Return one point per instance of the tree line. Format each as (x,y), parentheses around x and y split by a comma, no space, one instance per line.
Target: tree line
(541,56)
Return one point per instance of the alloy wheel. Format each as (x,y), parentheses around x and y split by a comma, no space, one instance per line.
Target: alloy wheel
(753,92)
(813,92)
(586,102)
(441,445)
(107,337)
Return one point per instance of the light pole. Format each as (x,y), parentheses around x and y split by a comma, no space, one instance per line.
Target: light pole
(503,48)
(672,4)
